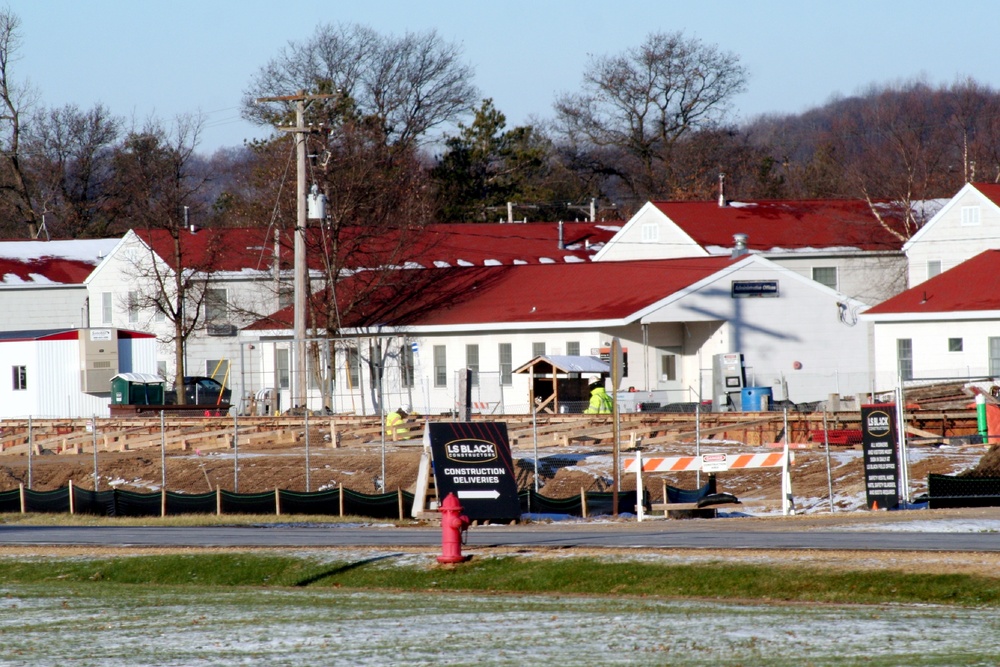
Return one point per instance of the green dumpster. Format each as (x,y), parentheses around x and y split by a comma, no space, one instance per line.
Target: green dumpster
(136,389)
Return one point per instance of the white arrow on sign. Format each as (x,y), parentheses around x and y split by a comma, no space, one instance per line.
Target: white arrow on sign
(491,495)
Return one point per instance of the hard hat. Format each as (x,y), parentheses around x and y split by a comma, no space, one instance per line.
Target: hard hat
(405,407)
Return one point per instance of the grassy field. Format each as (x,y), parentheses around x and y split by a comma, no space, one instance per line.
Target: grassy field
(210,608)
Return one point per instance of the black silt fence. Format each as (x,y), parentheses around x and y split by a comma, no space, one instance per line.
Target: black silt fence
(129,503)
(248,503)
(381,506)
(47,501)
(98,503)
(10,501)
(949,491)
(540,504)
(320,502)
(191,503)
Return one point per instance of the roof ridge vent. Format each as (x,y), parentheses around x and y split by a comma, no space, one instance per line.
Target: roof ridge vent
(740,245)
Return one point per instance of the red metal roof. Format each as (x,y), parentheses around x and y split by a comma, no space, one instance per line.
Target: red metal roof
(576,292)
(788,225)
(990,190)
(437,245)
(973,285)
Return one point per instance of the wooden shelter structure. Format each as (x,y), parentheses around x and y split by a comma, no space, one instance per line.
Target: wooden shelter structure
(560,379)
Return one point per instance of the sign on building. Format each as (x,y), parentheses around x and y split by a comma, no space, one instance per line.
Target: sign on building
(473,461)
(878,438)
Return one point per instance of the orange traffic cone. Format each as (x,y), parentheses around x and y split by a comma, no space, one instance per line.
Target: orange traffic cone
(874,505)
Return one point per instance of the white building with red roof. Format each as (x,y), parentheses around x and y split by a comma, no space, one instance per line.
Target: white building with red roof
(799,338)
(947,326)
(964,226)
(839,243)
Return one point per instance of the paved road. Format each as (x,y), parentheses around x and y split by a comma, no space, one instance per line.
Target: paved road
(701,535)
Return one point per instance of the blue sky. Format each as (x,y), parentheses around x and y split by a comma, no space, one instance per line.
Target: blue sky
(162,58)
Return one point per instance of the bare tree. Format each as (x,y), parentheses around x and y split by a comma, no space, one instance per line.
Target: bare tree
(635,107)
(15,99)
(406,85)
(70,154)
(161,194)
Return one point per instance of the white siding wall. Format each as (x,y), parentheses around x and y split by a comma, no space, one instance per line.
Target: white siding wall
(43,308)
(801,325)
(948,241)
(869,279)
(53,377)
(931,357)
(649,235)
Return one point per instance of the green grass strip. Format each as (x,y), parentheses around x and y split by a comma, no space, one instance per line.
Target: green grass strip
(519,575)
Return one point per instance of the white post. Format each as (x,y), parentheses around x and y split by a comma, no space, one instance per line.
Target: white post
(787,501)
(639,509)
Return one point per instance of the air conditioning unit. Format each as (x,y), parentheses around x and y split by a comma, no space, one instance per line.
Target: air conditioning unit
(98,359)
(221,329)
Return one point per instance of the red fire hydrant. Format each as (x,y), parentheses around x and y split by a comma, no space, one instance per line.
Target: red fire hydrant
(453,524)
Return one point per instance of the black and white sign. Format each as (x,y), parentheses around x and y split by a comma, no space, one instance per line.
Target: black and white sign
(878,438)
(743,289)
(473,461)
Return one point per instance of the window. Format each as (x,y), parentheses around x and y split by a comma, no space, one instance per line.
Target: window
(933,268)
(573,348)
(286,296)
(668,368)
(133,306)
(970,216)
(472,363)
(440,366)
(218,369)
(106,310)
(537,350)
(282,369)
(20,378)
(904,357)
(506,364)
(406,372)
(650,233)
(825,275)
(353,367)
(954,344)
(994,345)
(216,305)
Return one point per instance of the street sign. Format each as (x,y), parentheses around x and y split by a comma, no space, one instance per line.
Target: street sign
(473,461)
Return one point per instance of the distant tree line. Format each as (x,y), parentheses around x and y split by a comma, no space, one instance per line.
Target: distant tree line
(651,123)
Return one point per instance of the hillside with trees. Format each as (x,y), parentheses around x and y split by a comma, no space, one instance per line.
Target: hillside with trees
(403,137)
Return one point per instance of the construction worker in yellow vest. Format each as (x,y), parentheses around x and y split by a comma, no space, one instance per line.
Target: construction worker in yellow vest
(395,423)
(600,402)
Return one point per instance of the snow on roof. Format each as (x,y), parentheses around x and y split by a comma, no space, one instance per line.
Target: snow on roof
(61,262)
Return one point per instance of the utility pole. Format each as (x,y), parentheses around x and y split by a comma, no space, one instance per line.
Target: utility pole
(301,275)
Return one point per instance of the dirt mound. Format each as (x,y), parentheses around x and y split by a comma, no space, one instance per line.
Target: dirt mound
(988,466)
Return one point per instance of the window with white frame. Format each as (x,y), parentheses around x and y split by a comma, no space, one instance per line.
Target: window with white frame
(133,307)
(825,275)
(506,355)
(650,232)
(107,309)
(933,268)
(537,350)
(904,357)
(573,348)
(955,344)
(970,216)
(216,305)
(994,351)
(406,365)
(282,368)
(440,366)
(472,363)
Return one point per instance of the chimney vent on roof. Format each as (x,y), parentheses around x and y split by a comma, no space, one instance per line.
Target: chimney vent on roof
(562,243)
(722,189)
(740,245)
